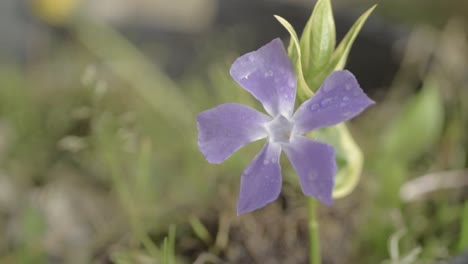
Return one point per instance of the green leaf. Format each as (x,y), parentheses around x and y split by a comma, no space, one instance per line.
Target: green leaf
(304,91)
(463,243)
(200,230)
(318,39)
(292,51)
(349,157)
(165,251)
(340,55)
(417,127)
(171,244)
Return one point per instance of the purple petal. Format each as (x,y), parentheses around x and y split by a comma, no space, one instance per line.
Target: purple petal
(268,75)
(339,99)
(261,181)
(226,128)
(315,164)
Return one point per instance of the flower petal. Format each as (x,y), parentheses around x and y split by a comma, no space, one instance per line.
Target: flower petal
(315,164)
(261,181)
(339,99)
(228,127)
(268,75)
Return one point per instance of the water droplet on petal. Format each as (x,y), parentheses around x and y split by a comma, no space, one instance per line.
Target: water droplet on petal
(348,87)
(326,102)
(345,98)
(268,73)
(314,107)
(312,176)
(328,88)
(248,171)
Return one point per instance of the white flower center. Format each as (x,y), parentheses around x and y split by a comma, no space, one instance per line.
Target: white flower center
(280,129)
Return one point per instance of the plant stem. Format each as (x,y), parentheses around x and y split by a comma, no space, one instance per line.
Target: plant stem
(314,236)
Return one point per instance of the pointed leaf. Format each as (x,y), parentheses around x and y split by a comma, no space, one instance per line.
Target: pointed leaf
(340,55)
(292,51)
(303,90)
(349,157)
(318,39)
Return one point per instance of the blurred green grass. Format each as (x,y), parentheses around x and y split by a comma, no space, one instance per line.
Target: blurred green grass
(101,158)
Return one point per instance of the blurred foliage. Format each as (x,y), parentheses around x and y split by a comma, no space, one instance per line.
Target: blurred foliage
(418,139)
(55,12)
(417,127)
(463,243)
(99,163)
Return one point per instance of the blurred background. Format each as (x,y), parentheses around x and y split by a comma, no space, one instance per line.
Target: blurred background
(98,153)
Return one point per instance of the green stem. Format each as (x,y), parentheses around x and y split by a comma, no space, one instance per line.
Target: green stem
(314,236)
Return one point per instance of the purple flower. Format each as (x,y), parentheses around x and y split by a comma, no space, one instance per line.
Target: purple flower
(268,75)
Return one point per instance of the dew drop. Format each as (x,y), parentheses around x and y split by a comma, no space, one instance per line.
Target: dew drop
(326,102)
(312,176)
(245,74)
(329,88)
(314,107)
(248,171)
(345,98)
(266,161)
(348,87)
